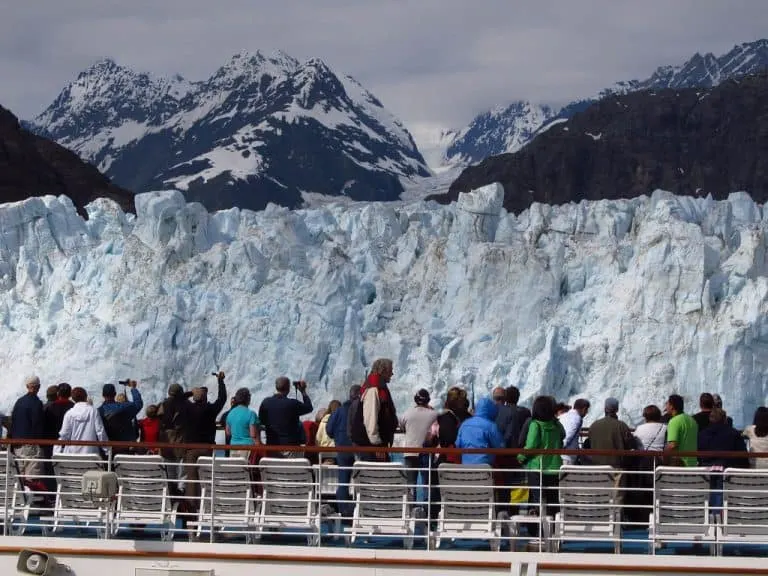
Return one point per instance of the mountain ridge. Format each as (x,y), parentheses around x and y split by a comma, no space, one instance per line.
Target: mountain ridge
(689,141)
(260,129)
(522,120)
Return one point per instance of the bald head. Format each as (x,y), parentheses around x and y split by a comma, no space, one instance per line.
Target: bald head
(283,385)
(499,395)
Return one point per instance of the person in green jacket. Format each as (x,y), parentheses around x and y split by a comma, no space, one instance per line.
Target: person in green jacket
(544,433)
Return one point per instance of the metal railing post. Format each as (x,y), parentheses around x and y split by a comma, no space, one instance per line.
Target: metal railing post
(430,480)
(213,481)
(7,482)
(542,507)
(319,496)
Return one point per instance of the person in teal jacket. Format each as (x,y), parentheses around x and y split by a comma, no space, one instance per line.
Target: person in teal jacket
(544,433)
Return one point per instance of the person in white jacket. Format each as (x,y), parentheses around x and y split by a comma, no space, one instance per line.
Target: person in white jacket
(572,422)
(81,422)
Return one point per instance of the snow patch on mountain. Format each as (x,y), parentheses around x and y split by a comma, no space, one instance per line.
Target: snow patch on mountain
(260,129)
(631,298)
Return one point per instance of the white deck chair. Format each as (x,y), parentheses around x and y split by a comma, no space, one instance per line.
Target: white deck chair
(588,508)
(227,504)
(17,500)
(467,505)
(72,509)
(381,502)
(290,498)
(744,516)
(143,496)
(681,507)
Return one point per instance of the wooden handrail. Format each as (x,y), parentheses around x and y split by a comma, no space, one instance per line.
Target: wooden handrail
(376,449)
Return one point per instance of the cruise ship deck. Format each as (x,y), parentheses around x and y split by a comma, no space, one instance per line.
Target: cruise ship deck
(123,515)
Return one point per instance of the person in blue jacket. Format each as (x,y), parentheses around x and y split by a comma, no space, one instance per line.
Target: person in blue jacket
(337,429)
(480,431)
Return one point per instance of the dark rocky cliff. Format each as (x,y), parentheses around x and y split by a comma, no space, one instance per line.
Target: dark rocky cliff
(34,166)
(689,141)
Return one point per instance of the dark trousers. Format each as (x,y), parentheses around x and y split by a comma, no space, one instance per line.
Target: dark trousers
(412,473)
(345,461)
(550,497)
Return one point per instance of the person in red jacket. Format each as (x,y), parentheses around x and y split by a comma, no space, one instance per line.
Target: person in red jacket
(149,428)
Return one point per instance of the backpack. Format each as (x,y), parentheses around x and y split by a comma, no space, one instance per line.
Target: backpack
(356,425)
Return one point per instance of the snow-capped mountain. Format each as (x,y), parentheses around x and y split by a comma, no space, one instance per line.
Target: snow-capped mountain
(509,128)
(505,128)
(635,298)
(260,129)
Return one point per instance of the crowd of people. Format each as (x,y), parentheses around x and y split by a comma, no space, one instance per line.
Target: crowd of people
(368,418)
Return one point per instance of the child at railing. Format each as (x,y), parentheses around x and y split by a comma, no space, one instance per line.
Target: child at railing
(149,428)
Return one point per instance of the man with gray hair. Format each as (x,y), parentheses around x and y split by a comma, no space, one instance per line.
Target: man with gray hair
(27,423)
(610,433)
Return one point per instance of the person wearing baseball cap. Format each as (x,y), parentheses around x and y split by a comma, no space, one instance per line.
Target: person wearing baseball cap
(119,417)
(416,423)
(610,433)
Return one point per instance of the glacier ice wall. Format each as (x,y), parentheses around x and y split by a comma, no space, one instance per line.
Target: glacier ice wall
(631,298)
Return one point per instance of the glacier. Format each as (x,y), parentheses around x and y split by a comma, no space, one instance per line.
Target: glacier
(631,298)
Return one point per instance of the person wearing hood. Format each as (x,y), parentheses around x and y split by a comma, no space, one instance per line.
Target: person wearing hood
(480,431)
(82,422)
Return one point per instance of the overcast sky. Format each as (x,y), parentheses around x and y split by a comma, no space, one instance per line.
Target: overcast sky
(429,61)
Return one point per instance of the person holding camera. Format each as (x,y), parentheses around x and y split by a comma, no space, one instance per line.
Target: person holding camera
(280,415)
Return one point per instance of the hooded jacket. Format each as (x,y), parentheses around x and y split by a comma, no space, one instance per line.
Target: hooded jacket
(81,422)
(480,431)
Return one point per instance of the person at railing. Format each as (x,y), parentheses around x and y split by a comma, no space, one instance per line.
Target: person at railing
(281,416)
(51,393)
(223,424)
(202,416)
(337,430)
(27,423)
(507,422)
(682,433)
(373,420)
(203,413)
(706,403)
(480,431)
(118,417)
(720,437)
(311,426)
(649,436)
(610,433)
(522,415)
(53,418)
(561,409)
(149,428)
(243,425)
(416,423)
(175,424)
(757,434)
(322,438)
(544,433)
(82,423)
(718,403)
(444,433)
(572,422)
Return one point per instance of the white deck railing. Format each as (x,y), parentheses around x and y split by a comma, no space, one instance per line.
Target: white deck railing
(218,498)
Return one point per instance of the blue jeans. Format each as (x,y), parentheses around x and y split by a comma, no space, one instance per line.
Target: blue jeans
(344,461)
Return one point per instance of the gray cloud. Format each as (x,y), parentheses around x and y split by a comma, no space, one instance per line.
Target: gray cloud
(429,61)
